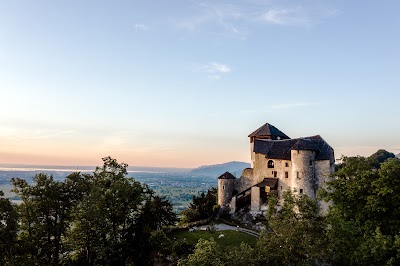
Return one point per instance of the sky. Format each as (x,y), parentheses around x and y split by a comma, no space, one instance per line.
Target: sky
(183,83)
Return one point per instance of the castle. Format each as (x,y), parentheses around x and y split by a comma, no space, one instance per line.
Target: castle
(278,163)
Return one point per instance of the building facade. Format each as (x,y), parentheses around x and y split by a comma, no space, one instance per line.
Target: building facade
(278,164)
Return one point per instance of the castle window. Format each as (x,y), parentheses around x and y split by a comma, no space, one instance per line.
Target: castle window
(286,164)
(286,175)
(301,191)
(281,187)
(270,164)
(298,175)
(223,187)
(275,173)
(310,162)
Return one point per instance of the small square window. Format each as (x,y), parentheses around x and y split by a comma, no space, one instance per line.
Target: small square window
(310,162)
(281,187)
(275,173)
(286,164)
(223,187)
(301,191)
(298,174)
(286,175)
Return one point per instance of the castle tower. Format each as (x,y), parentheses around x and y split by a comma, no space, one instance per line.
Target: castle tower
(304,180)
(226,183)
(267,131)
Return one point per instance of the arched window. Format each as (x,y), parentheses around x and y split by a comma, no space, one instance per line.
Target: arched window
(270,164)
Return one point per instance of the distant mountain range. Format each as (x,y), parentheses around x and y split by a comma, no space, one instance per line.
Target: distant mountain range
(216,170)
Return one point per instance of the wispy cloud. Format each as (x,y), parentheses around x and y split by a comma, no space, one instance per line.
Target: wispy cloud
(214,69)
(41,134)
(286,16)
(217,18)
(291,105)
(236,20)
(141,27)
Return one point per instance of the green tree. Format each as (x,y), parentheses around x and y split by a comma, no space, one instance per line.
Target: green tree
(115,219)
(379,157)
(296,233)
(201,207)
(8,231)
(364,215)
(45,215)
(206,253)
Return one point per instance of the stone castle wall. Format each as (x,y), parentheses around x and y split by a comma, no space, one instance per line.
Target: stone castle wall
(304,180)
(245,181)
(225,190)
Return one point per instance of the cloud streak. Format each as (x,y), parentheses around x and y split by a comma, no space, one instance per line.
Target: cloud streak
(235,19)
(291,105)
(213,69)
(140,27)
(286,16)
(46,135)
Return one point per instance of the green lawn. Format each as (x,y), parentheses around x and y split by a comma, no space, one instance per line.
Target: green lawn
(231,238)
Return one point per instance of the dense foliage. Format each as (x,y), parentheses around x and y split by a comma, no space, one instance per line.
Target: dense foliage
(365,213)
(109,219)
(362,226)
(202,207)
(100,219)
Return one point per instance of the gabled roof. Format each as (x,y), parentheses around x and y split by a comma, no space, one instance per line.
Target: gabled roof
(280,149)
(268,182)
(269,130)
(226,175)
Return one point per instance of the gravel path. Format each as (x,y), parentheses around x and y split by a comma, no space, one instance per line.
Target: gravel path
(221,227)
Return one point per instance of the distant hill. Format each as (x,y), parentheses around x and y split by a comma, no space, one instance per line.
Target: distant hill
(380,156)
(216,170)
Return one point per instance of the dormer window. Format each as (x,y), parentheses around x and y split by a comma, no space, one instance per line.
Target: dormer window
(270,164)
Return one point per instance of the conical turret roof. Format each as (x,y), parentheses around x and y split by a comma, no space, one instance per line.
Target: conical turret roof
(226,175)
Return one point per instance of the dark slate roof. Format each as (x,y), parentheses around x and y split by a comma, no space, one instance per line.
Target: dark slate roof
(268,182)
(226,175)
(269,130)
(280,149)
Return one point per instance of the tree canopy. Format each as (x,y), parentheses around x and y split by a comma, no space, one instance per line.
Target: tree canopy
(105,218)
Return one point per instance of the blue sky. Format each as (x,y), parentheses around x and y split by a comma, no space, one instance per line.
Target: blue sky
(182,83)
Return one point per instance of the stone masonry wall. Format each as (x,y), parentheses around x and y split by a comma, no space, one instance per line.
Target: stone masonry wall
(323,169)
(225,189)
(262,171)
(246,180)
(304,180)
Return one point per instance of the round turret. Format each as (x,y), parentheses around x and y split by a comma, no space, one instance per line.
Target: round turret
(303,172)
(226,183)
